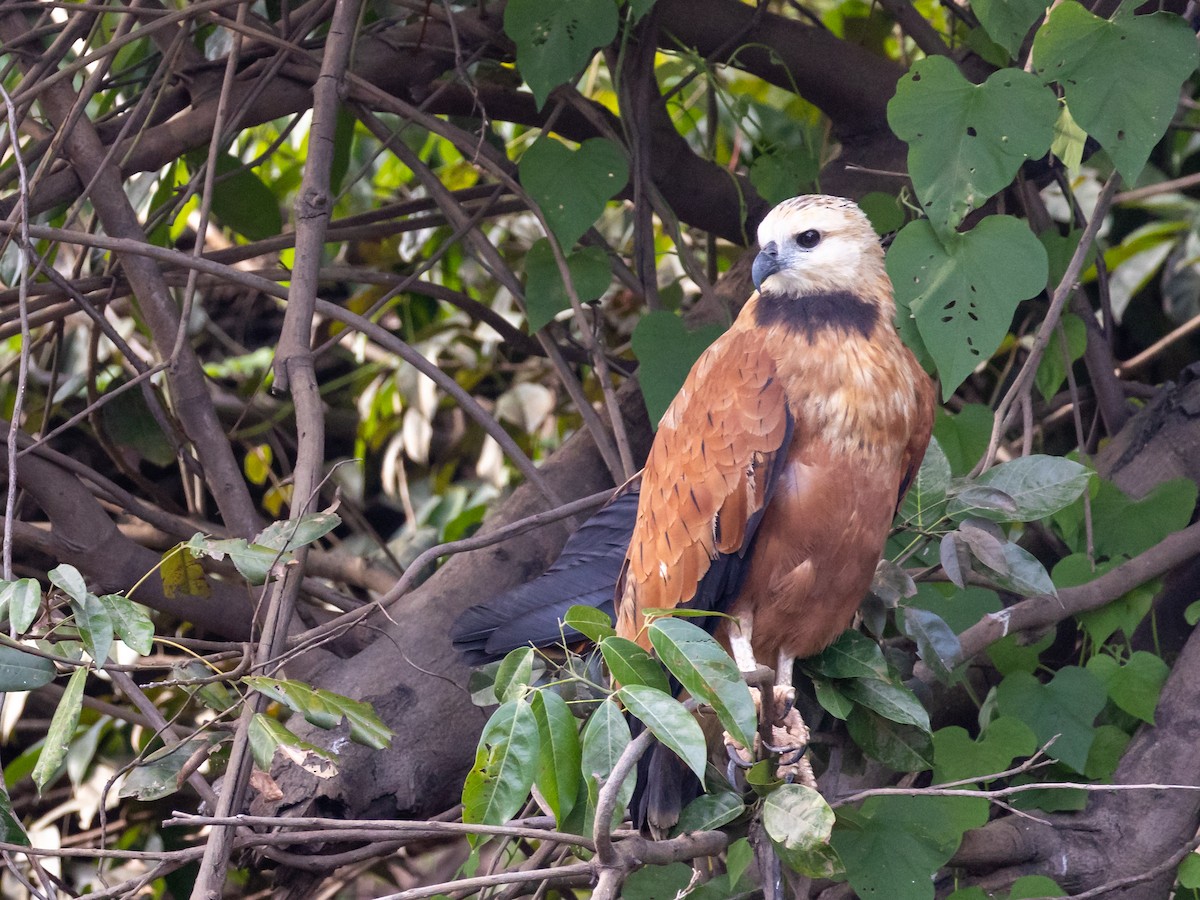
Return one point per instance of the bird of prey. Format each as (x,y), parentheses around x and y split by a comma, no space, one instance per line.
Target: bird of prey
(775,473)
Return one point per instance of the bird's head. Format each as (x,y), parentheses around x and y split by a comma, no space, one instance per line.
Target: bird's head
(819,244)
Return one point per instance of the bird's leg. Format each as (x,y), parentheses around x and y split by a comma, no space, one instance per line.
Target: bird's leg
(781,730)
(789,734)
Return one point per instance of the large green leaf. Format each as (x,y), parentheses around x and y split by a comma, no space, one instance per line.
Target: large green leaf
(605,738)
(964,288)
(1134,685)
(241,201)
(666,351)
(130,621)
(555,40)
(325,709)
(572,186)
(905,748)
(594,624)
(1121,78)
(21,671)
(891,701)
(799,823)
(61,731)
(628,663)
(21,599)
(288,534)
(514,675)
(967,141)
(11,829)
(925,502)
(1065,707)
(506,763)
(707,672)
(158,776)
(546,295)
(892,846)
(559,753)
(95,626)
(672,725)
(852,655)
(269,735)
(1039,485)
(1007,22)
(709,812)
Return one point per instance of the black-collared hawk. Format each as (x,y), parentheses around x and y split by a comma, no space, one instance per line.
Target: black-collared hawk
(775,473)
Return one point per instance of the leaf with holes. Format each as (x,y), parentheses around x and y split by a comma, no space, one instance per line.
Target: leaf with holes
(555,39)
(963,292)
(571,187)
(506,763)
(966,141)
(1121,78)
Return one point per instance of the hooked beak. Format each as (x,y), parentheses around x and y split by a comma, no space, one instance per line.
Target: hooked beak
(765,265)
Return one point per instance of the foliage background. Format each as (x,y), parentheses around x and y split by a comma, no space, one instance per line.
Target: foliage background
(262,259)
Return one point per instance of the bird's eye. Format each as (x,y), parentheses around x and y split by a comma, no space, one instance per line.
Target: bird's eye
(808,239)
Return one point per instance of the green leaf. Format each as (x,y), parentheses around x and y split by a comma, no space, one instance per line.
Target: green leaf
(571,187)
(556,40)
(1106,752)
(784,172)
(1125,613)
(95,627)
(158,776)
(241,201)
(963,436)
(937,644)
(130,621)
(514,675)
(958,757)
(68,580)
(1039,485)
(628,663)
(130,424)
(831,698)
(963,292)
(289,534)
(666,351)
(1052,371)
(707,672)
(1130,527)
(546,295)
(892,846)
(1121,78)
(1191,615)
(23,599)
(254,562)
(1007,22)
(1066,706)
(1189,871)
(904,748)
(269,735)
(1133,686)
(21,671)
(925,502)
(1025,575)
(708,812)
(506,764)
(967,141)
(592,623)
(891,701)
(343,144)
(325,709)
(674,726)
(852,655)
(799,823)
(1028,887)
(559,753)
(61,731)
(11,829)
(605,738)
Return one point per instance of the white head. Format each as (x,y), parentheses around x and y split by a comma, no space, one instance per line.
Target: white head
(816,243)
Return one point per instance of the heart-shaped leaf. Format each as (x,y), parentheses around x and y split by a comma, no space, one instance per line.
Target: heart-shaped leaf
(1007,22)
(572,186)
(555,39)
(966,141)
(963,291)
(666,352)
(1121,78)
(546,295)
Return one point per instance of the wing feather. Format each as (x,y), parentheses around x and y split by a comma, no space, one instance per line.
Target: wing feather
(706,482)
